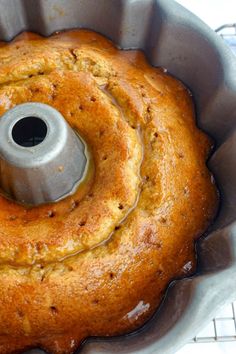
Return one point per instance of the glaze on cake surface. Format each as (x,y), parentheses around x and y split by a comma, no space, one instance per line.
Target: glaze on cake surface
(98,262)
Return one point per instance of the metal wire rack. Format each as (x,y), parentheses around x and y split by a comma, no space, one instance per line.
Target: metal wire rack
(228,26)
(221,329)
(228,33)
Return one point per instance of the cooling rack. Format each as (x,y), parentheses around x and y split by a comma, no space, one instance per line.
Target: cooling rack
(221,329)
(228,33)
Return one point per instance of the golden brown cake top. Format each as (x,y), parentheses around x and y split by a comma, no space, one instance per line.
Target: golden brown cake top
(83,265)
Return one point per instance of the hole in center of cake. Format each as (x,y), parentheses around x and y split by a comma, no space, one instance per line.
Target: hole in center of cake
(29,131)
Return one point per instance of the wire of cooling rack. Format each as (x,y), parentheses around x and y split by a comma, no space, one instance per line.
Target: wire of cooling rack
(221,329)
(228,26)
(228,33)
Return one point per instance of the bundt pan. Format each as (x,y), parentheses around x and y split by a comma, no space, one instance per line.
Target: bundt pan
(175,39)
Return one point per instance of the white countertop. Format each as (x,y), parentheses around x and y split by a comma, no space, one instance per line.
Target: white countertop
(214,12)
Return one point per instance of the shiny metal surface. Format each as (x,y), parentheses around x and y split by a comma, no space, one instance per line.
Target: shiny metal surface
(41,158)
(173,38)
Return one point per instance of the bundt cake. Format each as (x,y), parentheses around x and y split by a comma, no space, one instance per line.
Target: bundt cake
(98,262)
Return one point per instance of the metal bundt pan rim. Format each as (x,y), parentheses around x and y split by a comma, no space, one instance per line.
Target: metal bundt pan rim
(174,38)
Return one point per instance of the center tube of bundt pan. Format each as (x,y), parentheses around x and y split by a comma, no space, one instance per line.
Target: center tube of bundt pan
(42,159)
